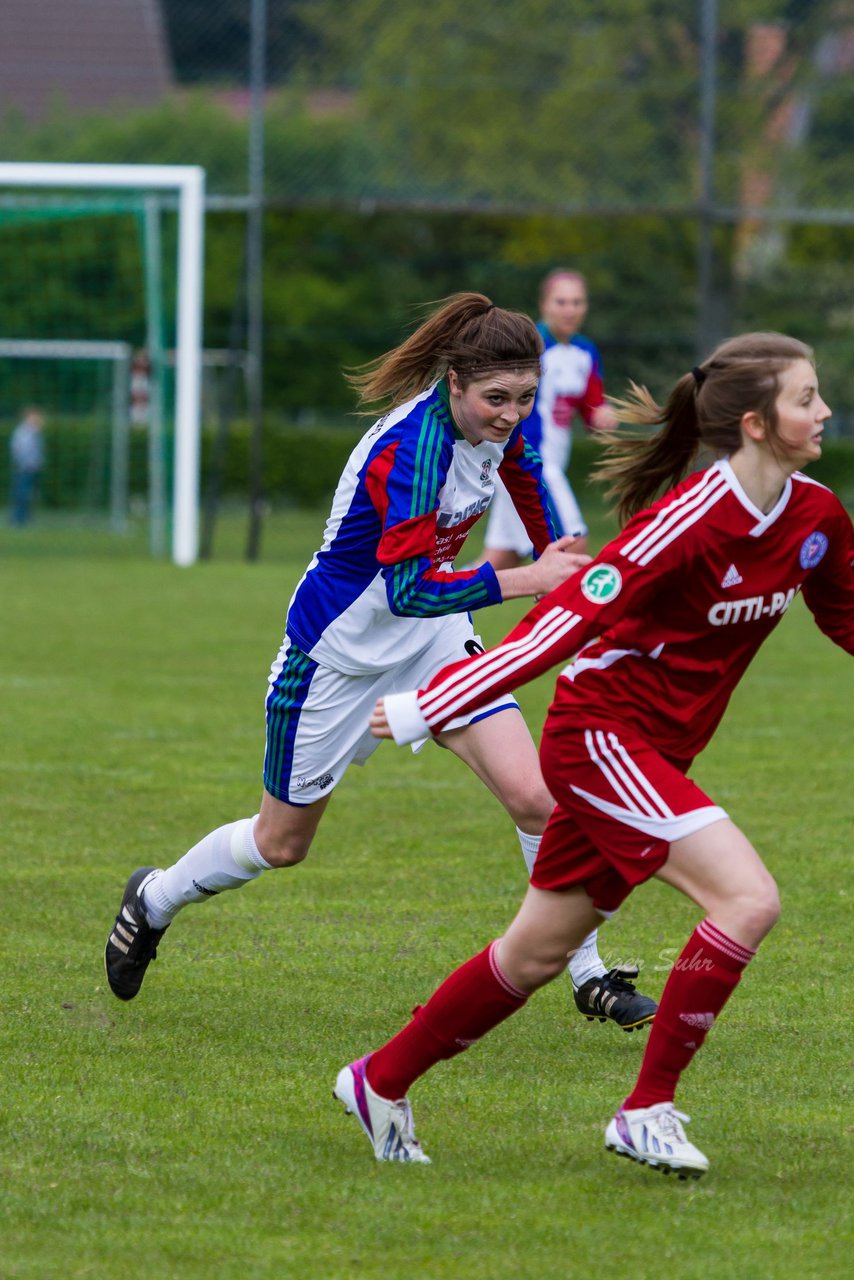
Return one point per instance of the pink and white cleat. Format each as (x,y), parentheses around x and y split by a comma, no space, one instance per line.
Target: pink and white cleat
(654,1136)
(388,1124)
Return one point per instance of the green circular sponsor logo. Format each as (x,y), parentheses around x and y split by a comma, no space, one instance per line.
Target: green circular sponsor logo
(601,583)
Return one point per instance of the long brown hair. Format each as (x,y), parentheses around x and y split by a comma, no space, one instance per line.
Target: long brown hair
(703,411)
(468,333)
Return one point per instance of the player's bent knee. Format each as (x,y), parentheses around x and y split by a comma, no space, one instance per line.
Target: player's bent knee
(755,912)
(767,906)
(530,809)
(282,851)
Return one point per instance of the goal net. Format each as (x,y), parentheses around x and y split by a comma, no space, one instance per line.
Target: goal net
(100,332)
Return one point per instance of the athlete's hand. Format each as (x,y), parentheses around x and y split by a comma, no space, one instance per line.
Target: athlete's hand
(557,563)
(603,418)
(379,724)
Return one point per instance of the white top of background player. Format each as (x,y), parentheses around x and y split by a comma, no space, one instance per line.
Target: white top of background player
(571,385)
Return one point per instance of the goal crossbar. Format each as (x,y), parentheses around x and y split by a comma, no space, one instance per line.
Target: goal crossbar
(188,183)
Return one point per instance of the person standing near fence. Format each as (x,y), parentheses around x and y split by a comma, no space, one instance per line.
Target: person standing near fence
(27,458)
(571,384)
(662,625)
(381,604)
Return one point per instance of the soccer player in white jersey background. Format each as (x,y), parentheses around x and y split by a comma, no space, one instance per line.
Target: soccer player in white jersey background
(663,623)
(571,384)
(381,606)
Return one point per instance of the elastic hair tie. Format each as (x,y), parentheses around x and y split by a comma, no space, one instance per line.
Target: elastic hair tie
(491,307)
(698,375)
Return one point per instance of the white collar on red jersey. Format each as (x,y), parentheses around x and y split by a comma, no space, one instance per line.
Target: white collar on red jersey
(763,519)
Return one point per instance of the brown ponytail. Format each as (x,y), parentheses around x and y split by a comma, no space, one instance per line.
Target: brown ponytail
(703,411)
(468,333)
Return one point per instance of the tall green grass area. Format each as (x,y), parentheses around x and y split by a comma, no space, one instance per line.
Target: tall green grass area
(191,1133)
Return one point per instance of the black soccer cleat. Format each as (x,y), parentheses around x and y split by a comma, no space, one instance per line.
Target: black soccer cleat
(615,996)
(132,945)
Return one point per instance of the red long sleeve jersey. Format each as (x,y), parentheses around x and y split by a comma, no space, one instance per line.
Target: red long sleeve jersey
(668,616)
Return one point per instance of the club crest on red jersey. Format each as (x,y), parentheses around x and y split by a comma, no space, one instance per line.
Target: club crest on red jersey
(813,549)
(601,583)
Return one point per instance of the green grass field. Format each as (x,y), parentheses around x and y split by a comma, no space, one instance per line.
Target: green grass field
(192,1133)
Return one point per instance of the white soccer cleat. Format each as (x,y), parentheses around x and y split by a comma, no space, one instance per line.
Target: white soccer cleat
(654,1136)
(387,1124)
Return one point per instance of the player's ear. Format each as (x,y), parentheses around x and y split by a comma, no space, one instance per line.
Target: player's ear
(753,426)
(454,382)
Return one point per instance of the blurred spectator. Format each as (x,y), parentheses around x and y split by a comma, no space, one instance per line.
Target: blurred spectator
(26,446)
(570,384)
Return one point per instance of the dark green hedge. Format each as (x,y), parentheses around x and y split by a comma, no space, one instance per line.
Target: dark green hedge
(302,464)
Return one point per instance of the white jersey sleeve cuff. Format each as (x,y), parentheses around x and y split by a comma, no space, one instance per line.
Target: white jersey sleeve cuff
(404,717)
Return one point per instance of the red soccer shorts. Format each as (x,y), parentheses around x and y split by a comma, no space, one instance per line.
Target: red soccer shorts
(620,805)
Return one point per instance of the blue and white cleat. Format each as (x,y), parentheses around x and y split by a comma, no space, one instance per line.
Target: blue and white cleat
(387,1124)
(654,1136)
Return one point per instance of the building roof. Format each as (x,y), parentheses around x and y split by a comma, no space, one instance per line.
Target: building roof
(81,55)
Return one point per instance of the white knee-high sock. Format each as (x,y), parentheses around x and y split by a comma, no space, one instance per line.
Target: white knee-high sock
(585,962)
(224,859)
(530,845)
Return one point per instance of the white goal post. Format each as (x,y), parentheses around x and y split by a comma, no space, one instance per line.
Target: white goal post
(187,182)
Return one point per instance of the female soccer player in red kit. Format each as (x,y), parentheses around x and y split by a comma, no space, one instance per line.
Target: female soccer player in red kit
(662,625)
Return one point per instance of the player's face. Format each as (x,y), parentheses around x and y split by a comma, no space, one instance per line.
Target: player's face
(801,414)
(564,307)
(490,407)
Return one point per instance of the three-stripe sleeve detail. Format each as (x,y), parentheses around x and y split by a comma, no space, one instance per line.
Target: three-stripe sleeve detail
(675,518)
(498,665)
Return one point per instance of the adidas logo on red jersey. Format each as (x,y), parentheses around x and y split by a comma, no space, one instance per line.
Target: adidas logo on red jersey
(732,577)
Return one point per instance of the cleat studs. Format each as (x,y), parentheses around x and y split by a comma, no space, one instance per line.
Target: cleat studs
(347,1111)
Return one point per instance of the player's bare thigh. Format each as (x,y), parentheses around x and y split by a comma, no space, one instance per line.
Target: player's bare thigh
(500,750)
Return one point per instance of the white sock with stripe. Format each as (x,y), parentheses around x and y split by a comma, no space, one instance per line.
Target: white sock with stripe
(225,859)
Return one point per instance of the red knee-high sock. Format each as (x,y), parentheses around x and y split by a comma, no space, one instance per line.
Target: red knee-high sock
(702,980)
(473,1000)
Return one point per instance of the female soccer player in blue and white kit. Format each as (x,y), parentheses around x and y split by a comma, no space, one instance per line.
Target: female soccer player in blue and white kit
(664,623)
(381,606)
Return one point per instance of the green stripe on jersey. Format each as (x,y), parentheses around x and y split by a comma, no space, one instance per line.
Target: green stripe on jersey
(427,453)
